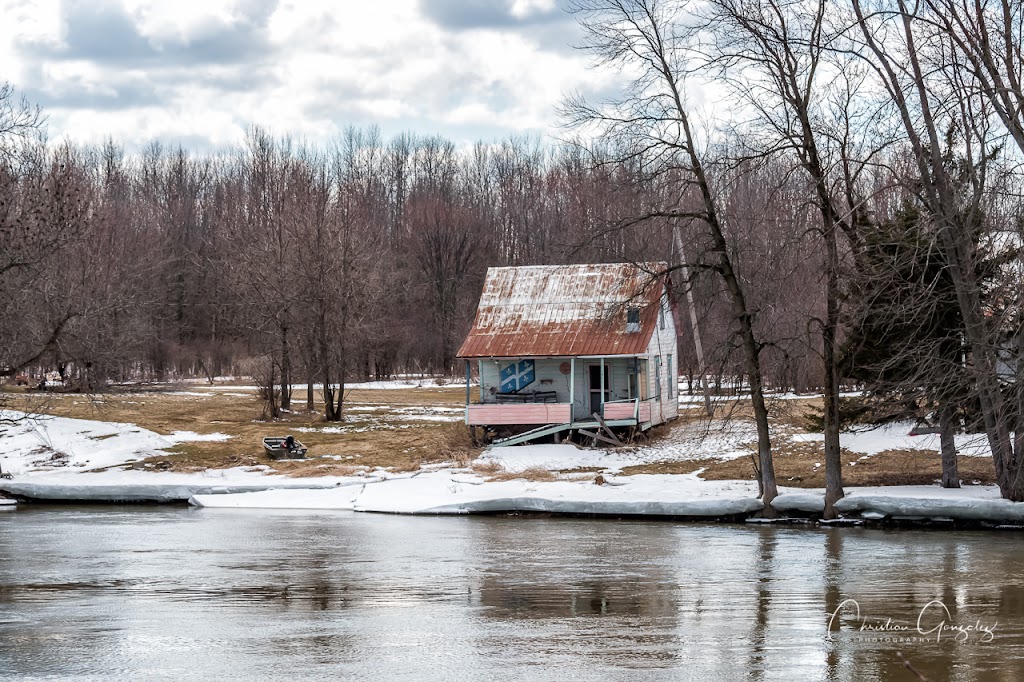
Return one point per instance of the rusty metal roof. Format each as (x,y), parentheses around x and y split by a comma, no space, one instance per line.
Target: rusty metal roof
(564,310)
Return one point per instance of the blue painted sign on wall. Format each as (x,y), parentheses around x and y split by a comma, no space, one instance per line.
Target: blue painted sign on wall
(517,376)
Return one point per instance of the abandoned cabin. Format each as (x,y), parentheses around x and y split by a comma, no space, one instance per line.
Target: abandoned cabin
(583,349)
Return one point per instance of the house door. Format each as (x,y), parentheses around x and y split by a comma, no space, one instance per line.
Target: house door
(594,380)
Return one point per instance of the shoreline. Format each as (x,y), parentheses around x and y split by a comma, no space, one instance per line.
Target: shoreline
(460,492)
(803,522)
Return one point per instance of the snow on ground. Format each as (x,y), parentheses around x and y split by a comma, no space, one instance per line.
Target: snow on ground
(688,400)
(55,458)
(718,439)
(973,503)
(458,492)
(363,418)
(894,436)
(390,385)
(399,384)
(685,442)
(45,442)
(119,485)
(192,436)
(554,458)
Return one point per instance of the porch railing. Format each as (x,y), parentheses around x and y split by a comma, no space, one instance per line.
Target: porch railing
(519,413)
(628,409)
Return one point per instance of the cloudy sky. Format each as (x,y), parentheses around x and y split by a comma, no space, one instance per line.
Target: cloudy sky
(198,72)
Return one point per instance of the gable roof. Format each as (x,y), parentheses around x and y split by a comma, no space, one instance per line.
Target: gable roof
(564,310)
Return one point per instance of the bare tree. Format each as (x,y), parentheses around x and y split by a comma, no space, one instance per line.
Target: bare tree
(651,121)
(917,96)
(783,62)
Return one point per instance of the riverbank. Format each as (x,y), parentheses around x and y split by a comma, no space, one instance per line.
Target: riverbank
(693,469)
(460,492)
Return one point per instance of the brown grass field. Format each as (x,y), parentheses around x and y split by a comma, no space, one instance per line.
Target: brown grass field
(392,429)
(384,427)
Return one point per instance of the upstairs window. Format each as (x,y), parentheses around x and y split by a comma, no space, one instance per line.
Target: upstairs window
(632,320)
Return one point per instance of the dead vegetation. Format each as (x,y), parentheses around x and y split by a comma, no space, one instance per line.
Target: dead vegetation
(533,474)
(382,430)
(487,467)
(801,464)
(379,434)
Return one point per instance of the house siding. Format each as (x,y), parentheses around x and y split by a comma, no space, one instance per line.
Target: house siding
(663,344)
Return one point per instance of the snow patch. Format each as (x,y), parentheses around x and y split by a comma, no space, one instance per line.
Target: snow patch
(458,492)
(894,436)
(192,436)
(144,486)
(970,503)
(44,442)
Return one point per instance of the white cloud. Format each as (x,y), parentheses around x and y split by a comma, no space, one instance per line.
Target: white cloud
(182,20)
(207,69)
(522,9)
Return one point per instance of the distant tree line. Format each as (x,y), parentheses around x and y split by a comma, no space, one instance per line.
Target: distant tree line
(313,265)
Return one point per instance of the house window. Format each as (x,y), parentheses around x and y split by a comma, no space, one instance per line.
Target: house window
(632,320)
(671,377)
(657,378)
(631,393)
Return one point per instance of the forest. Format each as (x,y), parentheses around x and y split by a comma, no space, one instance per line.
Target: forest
(851,215)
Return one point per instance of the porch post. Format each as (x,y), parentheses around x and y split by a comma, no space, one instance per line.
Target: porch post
(602,386)
(467,390)
(480,373)
(636,382)
(572,389)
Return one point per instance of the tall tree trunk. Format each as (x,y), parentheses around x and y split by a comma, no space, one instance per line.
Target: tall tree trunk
(309,389)
(694,324)
(273,410)
(947,446)
(724,267)
(286,374)
(833,456)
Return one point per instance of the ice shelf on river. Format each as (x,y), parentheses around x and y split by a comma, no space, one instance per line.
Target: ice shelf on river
(452,491)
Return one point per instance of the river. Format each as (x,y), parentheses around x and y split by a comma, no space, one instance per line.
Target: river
(137,592)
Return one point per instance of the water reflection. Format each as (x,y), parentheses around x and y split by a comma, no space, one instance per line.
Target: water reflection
(163,592)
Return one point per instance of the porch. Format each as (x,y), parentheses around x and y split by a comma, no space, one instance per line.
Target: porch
(630,412)
(559,391)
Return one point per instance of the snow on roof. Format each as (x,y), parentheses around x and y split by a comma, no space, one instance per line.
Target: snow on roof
(565,310)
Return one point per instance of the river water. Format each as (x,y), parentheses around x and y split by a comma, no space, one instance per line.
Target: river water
(169,592)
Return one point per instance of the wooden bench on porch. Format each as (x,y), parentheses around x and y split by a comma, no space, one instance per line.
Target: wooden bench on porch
(527,397)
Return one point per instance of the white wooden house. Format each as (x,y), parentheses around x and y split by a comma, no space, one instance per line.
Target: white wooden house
(570,348)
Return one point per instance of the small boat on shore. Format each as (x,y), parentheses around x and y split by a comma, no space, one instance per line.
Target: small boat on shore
(284,447)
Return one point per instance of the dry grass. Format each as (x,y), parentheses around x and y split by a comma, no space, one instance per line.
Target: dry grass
(377,437)
(406,445)
(487,467)
(685,467)
(795,466)
(795,461)
(492,470)
(534,474)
